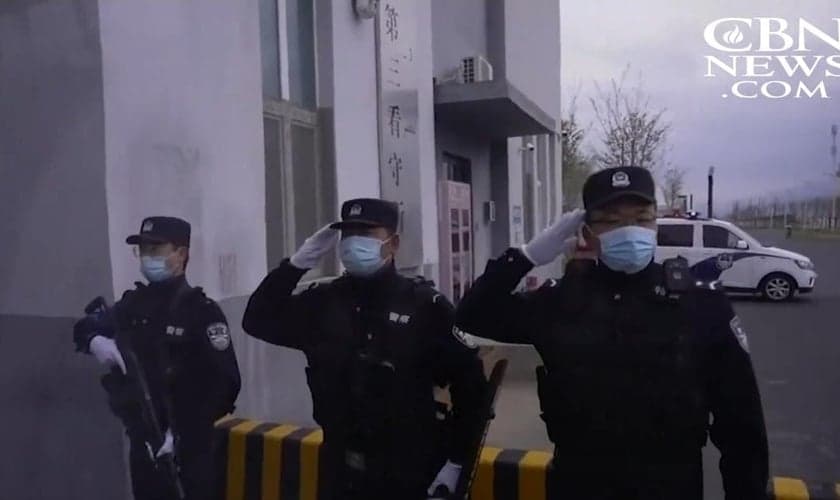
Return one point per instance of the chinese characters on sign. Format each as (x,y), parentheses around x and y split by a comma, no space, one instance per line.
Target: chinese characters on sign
(398,108)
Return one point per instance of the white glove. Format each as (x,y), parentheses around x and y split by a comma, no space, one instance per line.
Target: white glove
(105,351)
(168,446)
(546,246)
(315,247)
(447,477)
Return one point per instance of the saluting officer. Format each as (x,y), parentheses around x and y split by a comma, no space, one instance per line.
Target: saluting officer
(377,344)
(637,355)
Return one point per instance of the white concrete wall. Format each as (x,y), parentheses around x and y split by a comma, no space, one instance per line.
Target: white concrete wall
(426,139)
(460,30)
(532,37)
(353,100)
(183,114)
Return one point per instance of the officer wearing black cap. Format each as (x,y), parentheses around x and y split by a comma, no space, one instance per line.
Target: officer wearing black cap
(637,355)
(182,346)
(377,344)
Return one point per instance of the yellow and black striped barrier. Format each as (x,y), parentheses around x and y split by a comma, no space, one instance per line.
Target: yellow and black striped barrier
(267,461)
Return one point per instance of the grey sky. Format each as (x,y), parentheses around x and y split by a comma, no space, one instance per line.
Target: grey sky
(760,147)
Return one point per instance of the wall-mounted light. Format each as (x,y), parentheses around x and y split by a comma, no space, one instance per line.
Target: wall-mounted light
(366,9)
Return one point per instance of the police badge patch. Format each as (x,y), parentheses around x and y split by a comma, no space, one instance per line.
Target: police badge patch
(739,333)
(620,179)
(219,336)
(464,337)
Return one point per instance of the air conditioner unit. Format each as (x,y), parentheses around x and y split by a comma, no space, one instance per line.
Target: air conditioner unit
(475,69)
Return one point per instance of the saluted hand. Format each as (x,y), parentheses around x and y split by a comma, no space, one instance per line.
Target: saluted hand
(551,242)
(315,247)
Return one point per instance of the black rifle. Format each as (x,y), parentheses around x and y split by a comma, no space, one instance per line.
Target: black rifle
(465,480)
(153,433)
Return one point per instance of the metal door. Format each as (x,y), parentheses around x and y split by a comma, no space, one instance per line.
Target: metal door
(455,229)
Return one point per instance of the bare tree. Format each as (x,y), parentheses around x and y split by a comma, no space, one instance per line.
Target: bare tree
(673,183)
(576,165)
(633,133)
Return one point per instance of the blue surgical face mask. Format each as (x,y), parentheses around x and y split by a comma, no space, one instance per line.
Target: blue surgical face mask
(628,249)
(155,269)
(361,255)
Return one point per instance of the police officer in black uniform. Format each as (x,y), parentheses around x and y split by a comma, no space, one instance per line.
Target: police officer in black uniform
(376,343)
(181,342)
(637,355)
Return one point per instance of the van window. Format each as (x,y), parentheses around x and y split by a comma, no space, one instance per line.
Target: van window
(676,235)
(718,237)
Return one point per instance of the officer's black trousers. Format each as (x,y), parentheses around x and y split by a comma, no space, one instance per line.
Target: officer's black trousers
(607,478)
(337,481)
(197,470)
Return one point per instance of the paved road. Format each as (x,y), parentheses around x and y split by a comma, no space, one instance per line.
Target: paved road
(796,352)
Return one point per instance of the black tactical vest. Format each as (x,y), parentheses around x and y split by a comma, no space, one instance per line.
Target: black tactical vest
(622,372)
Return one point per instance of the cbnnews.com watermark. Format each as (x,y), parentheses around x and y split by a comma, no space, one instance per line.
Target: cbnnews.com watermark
(774,58)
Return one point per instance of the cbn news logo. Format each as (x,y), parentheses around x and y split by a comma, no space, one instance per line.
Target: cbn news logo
(771,58)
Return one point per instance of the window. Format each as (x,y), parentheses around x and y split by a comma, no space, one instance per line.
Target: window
(458,169)
(719,237)
(304,181)
(275,213)
(676,235)
(287,47)
(300,23)
(270,49)
(299,192)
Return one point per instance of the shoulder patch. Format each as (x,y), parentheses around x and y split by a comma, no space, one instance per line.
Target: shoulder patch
(464,338)
(739,332)
(219,336)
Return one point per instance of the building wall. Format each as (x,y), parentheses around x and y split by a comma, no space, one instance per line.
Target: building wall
(54,256)
(183,111)
(460,30)
(532,52)
(426,138)
(347,89)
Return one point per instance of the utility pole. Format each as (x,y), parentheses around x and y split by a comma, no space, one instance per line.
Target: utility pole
(711,191)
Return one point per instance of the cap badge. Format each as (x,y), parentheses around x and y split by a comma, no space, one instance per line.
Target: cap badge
(620,180)
(355,210)
(147,226)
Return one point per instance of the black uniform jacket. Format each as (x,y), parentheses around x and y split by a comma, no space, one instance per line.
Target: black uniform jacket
(633,372)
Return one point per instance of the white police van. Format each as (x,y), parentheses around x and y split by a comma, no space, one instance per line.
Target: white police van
(719,250)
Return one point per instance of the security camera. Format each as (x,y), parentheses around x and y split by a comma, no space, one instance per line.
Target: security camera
(529,146)
(366,9)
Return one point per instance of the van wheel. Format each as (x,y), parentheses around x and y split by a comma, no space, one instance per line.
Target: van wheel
(777,287)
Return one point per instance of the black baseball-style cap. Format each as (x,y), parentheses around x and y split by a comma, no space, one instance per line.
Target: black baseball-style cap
(162,230)
(369,212)
(611,184)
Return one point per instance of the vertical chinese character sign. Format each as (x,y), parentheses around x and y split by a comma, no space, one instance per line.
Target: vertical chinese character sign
(398,106)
